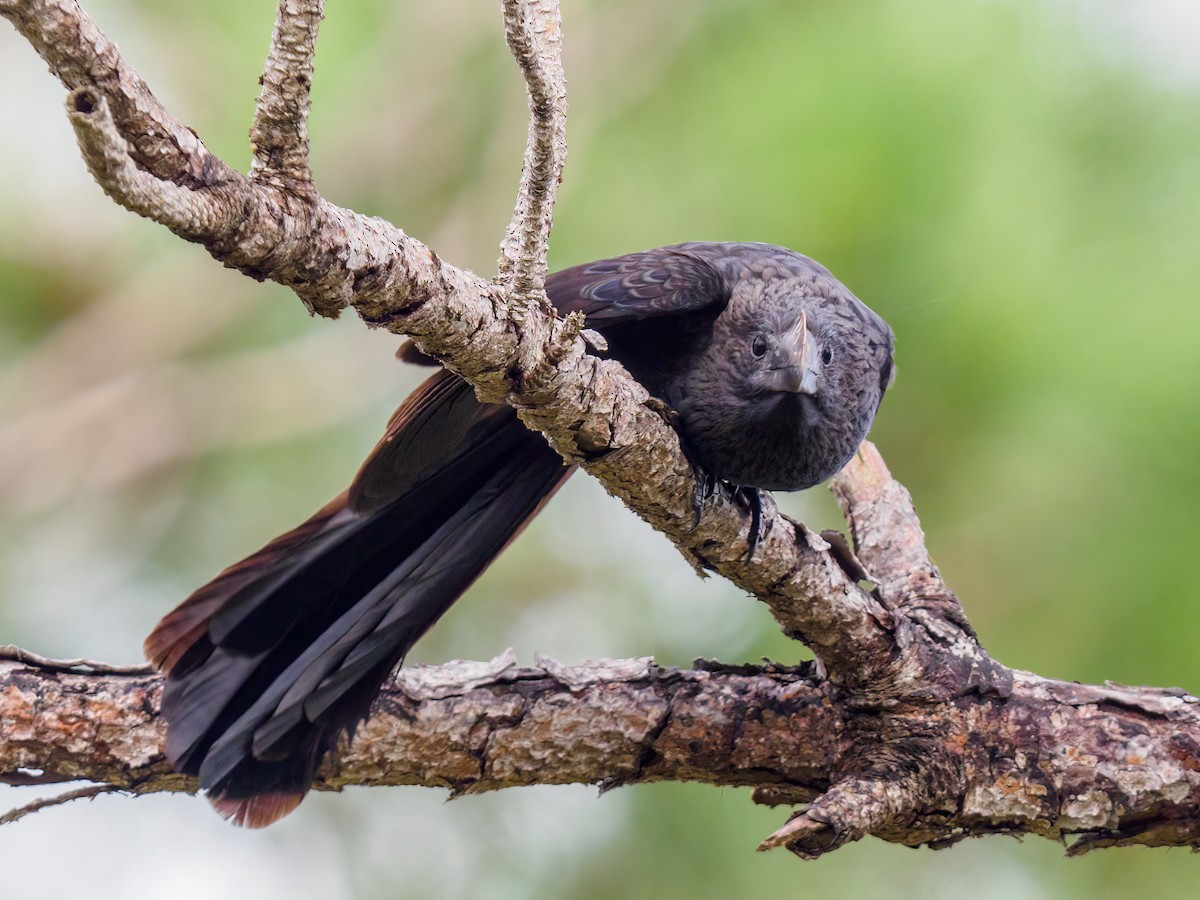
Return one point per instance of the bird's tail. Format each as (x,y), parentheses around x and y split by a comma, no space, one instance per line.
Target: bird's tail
(277,657)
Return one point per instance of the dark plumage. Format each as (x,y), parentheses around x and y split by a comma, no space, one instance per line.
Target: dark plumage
(773,368)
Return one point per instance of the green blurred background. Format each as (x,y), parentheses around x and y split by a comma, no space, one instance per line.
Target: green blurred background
(1014,184)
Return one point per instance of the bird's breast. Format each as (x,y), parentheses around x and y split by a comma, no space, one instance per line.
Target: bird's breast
(775,444)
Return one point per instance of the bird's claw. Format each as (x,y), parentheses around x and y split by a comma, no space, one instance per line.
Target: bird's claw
(753,498)
(706,487)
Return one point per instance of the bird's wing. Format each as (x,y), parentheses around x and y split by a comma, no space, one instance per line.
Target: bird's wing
(662,282)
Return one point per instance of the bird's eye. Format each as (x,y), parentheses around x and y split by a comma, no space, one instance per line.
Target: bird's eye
(759,347)
(827,355)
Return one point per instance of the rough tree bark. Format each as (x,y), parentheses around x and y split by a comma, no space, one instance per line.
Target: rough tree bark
(905,728)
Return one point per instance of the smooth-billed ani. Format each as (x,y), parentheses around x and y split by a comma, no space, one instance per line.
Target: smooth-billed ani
(774,372)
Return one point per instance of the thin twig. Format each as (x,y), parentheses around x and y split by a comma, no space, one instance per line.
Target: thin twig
(29,658)
(534,32)
(846,812)
(279,135)
(887,535)
(21,812)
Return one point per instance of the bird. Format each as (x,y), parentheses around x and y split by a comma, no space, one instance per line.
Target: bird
(772,372)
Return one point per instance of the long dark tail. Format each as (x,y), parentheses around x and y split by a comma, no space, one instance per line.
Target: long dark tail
(268,664)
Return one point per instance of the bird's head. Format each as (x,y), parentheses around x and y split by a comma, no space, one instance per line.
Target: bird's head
(786,389)
(809,343)
(785,358)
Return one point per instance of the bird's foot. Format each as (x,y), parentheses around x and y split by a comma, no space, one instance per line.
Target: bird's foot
(706,487)
(754,499)
(707,484)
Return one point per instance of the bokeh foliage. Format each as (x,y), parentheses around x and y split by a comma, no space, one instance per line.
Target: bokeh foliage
(1015,191)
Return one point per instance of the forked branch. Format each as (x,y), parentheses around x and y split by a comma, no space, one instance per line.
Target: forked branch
(906,729)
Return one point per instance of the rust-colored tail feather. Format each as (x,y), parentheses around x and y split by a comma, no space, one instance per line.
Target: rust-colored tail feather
(255,812)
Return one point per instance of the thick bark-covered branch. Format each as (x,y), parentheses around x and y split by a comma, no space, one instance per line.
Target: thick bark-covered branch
(469,727)
(1097,765)
(905,728)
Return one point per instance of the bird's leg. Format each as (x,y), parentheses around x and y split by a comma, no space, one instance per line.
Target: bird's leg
(705,489)
(706,485)
(753,498)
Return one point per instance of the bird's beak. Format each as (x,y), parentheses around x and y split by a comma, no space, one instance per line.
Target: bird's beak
(796,363)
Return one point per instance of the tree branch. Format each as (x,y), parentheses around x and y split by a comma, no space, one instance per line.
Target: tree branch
(279,135)
(190,214)
(916,735)
(534,33)
(1102,766)
(469,727)
(81,55)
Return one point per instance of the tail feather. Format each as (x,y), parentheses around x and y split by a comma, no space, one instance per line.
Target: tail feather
(257,812)
(179,629)
(271,662)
